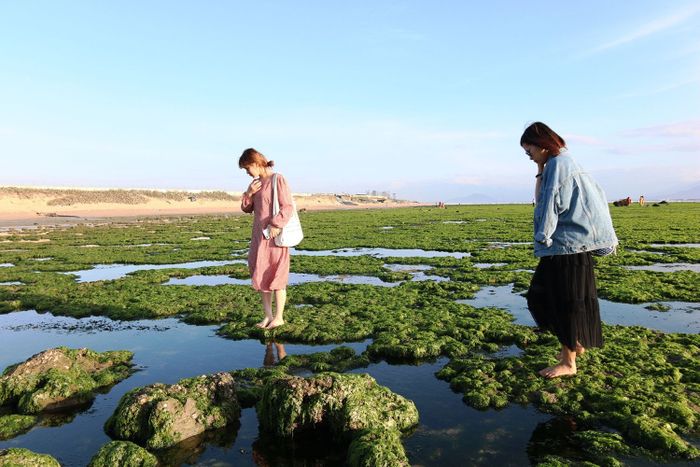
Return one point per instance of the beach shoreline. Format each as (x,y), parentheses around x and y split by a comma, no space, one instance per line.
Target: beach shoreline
(31,206)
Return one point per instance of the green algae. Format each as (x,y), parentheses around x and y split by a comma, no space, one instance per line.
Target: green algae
(20,457)
(353,408)
(642,383)
(123,453)
(160,416)
(61,377)
(411,322)
(15,425)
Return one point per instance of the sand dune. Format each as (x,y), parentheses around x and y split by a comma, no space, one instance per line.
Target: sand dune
(32,203)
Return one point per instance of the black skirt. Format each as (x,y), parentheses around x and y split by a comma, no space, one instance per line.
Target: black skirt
(563,299)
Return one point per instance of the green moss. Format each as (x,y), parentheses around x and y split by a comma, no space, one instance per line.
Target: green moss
(123,453)
(633,384)
(375,448)
(15,425)
(20,457)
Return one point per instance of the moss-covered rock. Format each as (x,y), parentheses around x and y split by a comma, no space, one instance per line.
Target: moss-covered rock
(354,408)
(159,416)
(374,448)
(123,454)
(20,457)
(61,377)
(14,425)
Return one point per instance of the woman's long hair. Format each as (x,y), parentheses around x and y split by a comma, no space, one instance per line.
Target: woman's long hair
(540,135)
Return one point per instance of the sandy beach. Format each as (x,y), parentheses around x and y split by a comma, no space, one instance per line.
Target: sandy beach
(25,206)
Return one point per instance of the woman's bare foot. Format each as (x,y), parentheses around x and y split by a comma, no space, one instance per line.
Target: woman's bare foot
(263,324)
(560,369)
(274,324)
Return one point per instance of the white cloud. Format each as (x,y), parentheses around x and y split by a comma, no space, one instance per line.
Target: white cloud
(650,28)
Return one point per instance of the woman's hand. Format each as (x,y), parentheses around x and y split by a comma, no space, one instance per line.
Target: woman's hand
(254,187)
(274,231)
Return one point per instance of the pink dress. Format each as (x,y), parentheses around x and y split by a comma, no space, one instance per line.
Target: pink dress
(267,262)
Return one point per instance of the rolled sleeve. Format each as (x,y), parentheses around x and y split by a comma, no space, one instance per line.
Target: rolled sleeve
(247,203)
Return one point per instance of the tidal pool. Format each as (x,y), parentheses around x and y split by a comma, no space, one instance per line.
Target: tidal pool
(296,278)
(108,272)
(6,265)
(681,317)
(11,283)
(678,245)
(382,252)
(666,267)
(165,351)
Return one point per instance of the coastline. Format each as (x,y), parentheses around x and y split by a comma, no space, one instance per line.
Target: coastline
(30,206)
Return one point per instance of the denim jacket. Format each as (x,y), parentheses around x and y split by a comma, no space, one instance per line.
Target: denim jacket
(572,213)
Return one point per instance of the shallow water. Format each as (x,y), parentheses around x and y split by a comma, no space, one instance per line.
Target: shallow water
(666,267)
(681,317)
(11,283)
(487,265)
(108,272)
(165,351)
(382,252)
(6,265)
(679,245)
(296,278)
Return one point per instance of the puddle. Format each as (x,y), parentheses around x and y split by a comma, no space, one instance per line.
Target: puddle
(450,433)
(681,317)
(416,271)
(6,265)
(454,222)
(92,245)
(108,272)
(11,283)
(43,259)
(676,245)
(387,227)
(382,253)
(163,353)
(294,279)
(200,238)
(487,265)
(666,267)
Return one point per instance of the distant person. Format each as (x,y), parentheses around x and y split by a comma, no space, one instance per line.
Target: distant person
(267,262)
(641,200)
(571,221)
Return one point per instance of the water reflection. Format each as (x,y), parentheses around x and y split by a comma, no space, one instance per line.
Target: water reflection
(274,353)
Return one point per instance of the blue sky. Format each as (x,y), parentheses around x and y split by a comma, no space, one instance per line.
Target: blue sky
(423,99)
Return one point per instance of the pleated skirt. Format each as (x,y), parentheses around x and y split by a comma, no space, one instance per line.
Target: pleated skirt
(563,299)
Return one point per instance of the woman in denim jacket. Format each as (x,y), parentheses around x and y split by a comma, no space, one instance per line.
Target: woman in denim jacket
(572,222)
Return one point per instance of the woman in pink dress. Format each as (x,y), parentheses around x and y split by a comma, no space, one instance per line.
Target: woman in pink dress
(267,262)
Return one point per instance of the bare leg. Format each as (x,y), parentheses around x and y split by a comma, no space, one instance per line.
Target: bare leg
(580,350)
(267,308)
(566,366)
(281,353)
(280,301)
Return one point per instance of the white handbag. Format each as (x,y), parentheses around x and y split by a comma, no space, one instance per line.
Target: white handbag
(291,234)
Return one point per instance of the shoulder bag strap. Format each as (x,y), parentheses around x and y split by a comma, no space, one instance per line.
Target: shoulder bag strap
(275,201)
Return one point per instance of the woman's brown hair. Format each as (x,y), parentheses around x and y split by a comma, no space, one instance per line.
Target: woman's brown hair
(252,157)
(540,135)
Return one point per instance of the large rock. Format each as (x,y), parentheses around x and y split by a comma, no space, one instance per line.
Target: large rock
(123,454)
(61,377)
(354,408)
(14,425)
(20,457)
(159,416)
